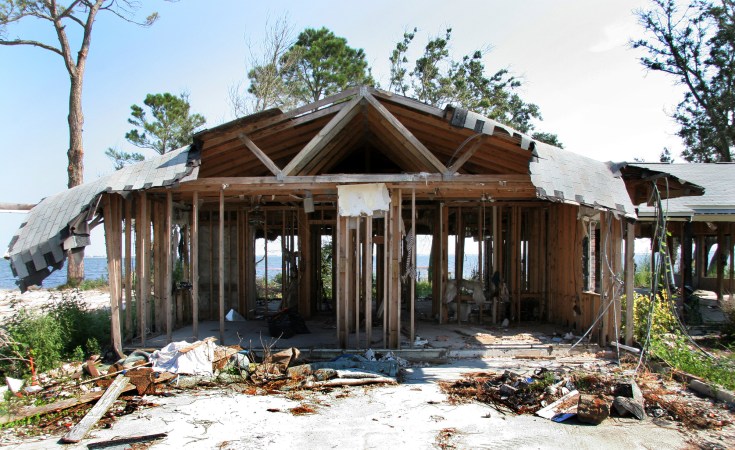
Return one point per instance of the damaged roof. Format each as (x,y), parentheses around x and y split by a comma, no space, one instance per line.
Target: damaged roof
(60,222)
(715,178)
(567,177)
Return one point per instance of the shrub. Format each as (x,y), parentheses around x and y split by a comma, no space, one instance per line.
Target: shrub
(64,329)
(663,317)
(36,335)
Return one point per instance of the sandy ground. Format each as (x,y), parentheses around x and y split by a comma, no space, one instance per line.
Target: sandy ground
(13,300)
(414,415)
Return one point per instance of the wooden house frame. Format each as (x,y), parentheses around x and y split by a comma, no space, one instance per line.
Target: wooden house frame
(553,226)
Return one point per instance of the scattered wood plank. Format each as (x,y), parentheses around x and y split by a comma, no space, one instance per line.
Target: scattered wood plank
(349,382)
(127,440)
(32,411)
(561,409)
(77,433)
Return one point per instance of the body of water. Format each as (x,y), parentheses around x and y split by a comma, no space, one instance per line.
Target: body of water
(96,267)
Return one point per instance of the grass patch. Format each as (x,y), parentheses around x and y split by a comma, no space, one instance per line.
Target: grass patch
(677,352)
(100,283)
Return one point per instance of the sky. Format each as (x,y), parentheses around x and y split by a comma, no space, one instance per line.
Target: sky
(572,55)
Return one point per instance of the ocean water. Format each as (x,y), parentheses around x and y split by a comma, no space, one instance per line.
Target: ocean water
(96,267)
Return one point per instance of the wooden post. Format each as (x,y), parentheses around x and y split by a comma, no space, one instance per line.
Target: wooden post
(195,264)
(721,252)
(128,269)
(386,274)
(459,261)
(143,259)
(604,277)
(496,265)
(412,255)
(168,259)
(110,210)
(394,299)
(305,264)
(211,267)
(222,265)
(368,280)
(341,282)
(355,251)
(444,249)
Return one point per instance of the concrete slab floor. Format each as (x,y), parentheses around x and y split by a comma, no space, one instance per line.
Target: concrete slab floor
(453,337)
(414,414)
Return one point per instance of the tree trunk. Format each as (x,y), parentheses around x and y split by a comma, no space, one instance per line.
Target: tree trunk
(75,169)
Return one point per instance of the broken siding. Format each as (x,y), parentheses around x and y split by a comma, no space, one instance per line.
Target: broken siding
(49,228)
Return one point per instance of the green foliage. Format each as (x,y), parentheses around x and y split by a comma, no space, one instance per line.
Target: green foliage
(100,283)
(695,44)
(172,126)
(121,159)
(423,289)
(438,80)
(326,273)
(676,351)
(547,138)
(642,277)
(663,319)
(38,336)
(64,329)
(323,64)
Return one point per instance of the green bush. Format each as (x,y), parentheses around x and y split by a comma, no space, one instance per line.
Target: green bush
(64,329)
(663,317)
(36,335)
(423,289)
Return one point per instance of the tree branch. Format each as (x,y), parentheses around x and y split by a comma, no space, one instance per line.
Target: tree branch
(33,43)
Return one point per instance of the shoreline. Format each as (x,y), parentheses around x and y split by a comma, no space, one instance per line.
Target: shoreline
(11,300)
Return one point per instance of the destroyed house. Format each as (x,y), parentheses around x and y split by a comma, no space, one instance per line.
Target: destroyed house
(349,189)
(700,229)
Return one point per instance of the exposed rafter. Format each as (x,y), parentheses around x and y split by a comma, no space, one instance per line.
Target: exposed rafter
(260,154)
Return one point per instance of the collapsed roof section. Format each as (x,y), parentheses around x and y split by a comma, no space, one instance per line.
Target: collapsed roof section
(62,222)
(696,192)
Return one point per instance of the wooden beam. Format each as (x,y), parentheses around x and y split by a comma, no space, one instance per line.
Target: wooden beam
(221,261)
(195,265)
(322,138)
(260,154)
(168,260)
(143,259)
(721,261)
(128,268)
(412,143)
(479,140)
(16,206)
(110,210)
(81,429)
(368,280)
(412,255)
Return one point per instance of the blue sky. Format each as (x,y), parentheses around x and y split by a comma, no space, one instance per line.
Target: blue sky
(572,55)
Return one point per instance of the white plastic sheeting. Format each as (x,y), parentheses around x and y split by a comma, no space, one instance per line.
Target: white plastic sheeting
(197,361)
(356,200)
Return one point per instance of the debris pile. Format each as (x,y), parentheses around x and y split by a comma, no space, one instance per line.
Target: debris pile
(62,401)
(590,397)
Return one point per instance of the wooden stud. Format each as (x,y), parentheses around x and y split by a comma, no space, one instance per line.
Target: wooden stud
(168,259)
(142,264)
(305,264)
(195,264)
(221,270)
(110,208)
(721,251)
(412,255)
(368,280)
(128,269)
